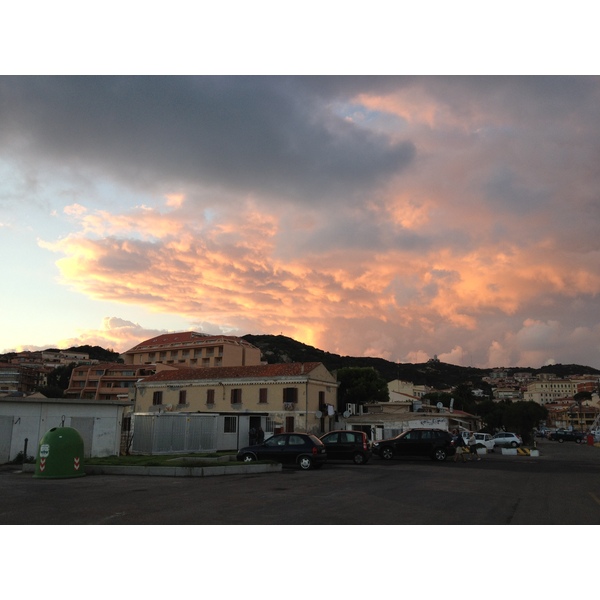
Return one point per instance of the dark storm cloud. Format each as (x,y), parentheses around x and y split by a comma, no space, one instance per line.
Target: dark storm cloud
(267,134)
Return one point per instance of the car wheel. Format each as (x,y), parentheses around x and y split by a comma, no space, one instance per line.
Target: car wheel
(359,458)
(248,458)
(387,453)
(305,462)
(578,441)
(513,444)
(439,454)
(560,440)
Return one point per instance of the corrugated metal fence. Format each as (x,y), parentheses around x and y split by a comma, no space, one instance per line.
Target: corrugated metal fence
(170,433)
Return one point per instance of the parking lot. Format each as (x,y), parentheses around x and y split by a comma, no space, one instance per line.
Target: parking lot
(562,486)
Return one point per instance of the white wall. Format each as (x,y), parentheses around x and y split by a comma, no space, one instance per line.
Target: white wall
(32,419)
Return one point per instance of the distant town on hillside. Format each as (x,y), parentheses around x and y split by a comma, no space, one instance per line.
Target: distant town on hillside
(280,349)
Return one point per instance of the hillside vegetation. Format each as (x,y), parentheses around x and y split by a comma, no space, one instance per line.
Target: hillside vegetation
(436,374)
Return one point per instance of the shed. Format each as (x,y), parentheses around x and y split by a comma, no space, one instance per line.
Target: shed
(99,423)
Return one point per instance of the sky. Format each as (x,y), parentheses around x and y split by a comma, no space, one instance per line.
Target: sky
(402,217)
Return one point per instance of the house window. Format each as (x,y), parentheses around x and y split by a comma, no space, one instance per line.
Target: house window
(262,395)
(230,425)
(321,398)
(210,396)
(290,395)
(157,398)
(182,396)
(236,396)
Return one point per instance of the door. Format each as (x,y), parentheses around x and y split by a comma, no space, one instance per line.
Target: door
(255,425)
(274,448)
(334,445)
(409,444)
(289,424)
(6,427)
(85,427)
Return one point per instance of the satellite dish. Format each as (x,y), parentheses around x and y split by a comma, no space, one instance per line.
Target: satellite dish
(318,414)
(346,414)
(439,406)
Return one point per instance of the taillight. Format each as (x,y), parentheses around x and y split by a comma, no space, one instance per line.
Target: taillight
(315,450)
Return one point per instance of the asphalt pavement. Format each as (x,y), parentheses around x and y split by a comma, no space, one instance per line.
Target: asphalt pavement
(560,487)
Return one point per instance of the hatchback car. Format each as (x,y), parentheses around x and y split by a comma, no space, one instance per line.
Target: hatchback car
(302,449)
(347,445)
(435,443)
(485,439)
(506,439)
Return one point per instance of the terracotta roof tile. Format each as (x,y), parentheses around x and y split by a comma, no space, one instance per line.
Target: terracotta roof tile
(187,337)
(257,371)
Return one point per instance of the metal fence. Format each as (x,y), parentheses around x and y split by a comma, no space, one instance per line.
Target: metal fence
(173,433)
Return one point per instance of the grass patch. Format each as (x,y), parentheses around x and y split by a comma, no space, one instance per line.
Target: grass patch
(157,460)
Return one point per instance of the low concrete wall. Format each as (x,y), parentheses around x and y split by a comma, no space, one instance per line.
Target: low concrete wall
(241,469)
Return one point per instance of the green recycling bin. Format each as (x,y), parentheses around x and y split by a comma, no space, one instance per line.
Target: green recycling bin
(60,454)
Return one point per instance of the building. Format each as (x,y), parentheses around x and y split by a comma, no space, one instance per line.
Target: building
(279,397)
(51,359)
(194,349)
(105,381)
(406,391)
(386,419)
(20,379)
(548,390)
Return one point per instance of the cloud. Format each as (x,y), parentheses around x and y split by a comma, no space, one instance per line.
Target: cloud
(272,135)
(400,217)
(114,333)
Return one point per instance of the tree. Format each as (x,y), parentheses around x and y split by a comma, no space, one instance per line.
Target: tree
(523,417)
(360,385)
(61,376)
(464,398)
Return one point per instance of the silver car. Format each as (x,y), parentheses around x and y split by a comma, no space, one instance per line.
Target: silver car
(506,439)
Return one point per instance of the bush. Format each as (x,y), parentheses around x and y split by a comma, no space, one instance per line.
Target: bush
(20,459)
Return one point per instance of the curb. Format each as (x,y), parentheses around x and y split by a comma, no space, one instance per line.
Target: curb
(520,452)
(173,471)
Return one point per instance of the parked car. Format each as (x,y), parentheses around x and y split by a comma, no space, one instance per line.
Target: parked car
(347,445)
(486,440)
(564,435)
(435,443)
(303,449)
(506,439)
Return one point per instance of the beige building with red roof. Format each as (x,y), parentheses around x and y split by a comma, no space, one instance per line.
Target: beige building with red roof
(284,396)
(193,349)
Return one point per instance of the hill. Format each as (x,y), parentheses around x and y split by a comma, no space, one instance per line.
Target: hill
(434,373)
(94,352)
